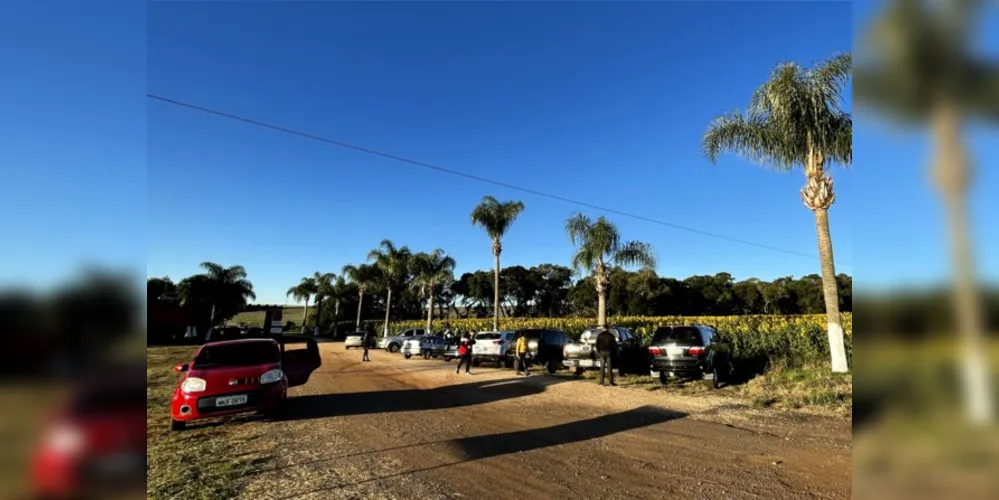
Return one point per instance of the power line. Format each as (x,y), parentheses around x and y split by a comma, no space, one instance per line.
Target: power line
(476,178)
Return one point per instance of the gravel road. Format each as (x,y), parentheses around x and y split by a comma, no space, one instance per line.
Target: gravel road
(396,428)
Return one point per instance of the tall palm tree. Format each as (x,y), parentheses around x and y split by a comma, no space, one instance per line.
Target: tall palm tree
(795,120)
(303,291)
(366,277)
(430,270)
(324,289)
(226,288)
(394,265)
(496,218)
(598,244)
(920,69)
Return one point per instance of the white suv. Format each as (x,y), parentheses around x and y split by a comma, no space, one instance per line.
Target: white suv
(491,347)
(394,343)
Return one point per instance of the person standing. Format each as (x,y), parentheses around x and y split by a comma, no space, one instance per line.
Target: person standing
(465,353)
(367,341)
(606,345)
(522,355)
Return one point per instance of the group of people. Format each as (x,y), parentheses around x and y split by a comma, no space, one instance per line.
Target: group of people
(606,346)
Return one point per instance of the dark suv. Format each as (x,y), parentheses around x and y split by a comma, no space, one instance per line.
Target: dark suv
(631,356)
(690,351)
(544,347)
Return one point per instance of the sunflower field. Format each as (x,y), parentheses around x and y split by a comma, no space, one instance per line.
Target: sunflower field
(793,340)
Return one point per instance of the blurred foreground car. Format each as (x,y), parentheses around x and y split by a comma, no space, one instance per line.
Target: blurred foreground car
(95,445)
(238,376)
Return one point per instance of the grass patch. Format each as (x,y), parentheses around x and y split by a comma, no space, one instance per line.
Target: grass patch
(809,386)
(205,462)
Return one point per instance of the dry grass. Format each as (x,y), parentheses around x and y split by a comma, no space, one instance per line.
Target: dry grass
(206,462)
(810,386)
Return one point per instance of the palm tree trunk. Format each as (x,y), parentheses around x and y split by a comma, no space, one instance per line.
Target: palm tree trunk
(388,307)
(336,317)
(837,348)
(360,302)
(319,313)
(430,313)
(305,314)
(601,303)
(496,291)
(952,174)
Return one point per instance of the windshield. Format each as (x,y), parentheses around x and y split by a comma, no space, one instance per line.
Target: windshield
(242,354)
(686,335)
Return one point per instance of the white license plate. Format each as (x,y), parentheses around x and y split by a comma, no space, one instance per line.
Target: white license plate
(231,400)
(674,351)
(586,363)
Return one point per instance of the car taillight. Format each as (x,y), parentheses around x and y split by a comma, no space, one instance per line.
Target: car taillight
(655,351)
(696,351)
(498,342)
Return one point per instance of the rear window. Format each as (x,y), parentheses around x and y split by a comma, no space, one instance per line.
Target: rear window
(686,335)
(530,334)
(250,353)
(487,336)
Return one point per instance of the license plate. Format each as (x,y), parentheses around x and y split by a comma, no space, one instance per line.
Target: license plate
(674,351)
(231,400)
(586,363)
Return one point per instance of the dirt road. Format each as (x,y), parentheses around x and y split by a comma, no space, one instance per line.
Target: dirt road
(396,428)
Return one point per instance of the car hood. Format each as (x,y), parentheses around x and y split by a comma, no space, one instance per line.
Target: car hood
(224,373)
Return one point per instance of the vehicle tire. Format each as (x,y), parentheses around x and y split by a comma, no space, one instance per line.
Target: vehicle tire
(447,359)
(663,379)
(579,371)
(504,363)
(426,355)
(552,368)
(714,382)
(407,355)
(476,363)
(393,348)
(621,372)
(177,425)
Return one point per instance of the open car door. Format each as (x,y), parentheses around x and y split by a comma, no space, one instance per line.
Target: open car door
(299,358)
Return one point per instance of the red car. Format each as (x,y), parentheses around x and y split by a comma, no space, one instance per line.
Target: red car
(96,442)
(238,376)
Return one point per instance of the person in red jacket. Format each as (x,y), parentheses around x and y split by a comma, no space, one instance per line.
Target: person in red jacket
(465,353)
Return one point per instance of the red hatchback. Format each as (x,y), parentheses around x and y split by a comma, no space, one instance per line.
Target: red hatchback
(238,376)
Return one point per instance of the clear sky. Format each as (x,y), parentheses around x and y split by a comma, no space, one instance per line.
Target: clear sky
(604,102)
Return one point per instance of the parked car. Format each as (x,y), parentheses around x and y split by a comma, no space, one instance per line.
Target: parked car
(631,356)
(238,376)
(394,342)
(451,349)
(95,441)
(491,347)
(431,346)
(544,347)
(353,339)
(690,351)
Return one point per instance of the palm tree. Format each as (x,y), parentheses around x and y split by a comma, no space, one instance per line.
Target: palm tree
(598,244)
(394,265)
(795,120)
(496,218)
(921,69)
(303,291)
(366,277)
(430,270)
(226,288)
(324,289)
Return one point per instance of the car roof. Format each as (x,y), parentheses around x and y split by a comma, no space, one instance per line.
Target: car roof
(238,341)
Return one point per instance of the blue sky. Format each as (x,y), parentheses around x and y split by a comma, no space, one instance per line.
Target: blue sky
(604,102)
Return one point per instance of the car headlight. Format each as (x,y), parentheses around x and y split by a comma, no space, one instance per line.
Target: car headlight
(65,439)
(271,376)
(193,384)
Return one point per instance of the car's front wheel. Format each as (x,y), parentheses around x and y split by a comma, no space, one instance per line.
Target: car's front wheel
(177,425)
(407,355)
(393,348)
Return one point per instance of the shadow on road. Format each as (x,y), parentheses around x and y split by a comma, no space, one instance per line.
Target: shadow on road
(451,396)
(492,445)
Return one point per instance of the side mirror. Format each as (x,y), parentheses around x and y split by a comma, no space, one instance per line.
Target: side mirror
(181,368)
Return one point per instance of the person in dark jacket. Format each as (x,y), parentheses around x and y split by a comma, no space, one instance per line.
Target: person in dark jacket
(465,350)
(367,342)
(606,344)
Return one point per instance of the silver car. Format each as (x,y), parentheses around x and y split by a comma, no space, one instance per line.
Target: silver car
(394,342)
(355,339)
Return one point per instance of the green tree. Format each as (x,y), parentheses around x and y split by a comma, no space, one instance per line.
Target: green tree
(324,288)
(366,277)
(430,270)
(598,244)
(304,291)
(394,265)
(496,218)
(794,120)
(921,69)
(225,288)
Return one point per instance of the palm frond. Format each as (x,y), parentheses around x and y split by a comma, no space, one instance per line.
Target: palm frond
(750,137)
(578,227)
(635,253)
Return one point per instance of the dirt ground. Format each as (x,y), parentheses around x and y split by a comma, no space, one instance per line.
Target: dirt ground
(396,428)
